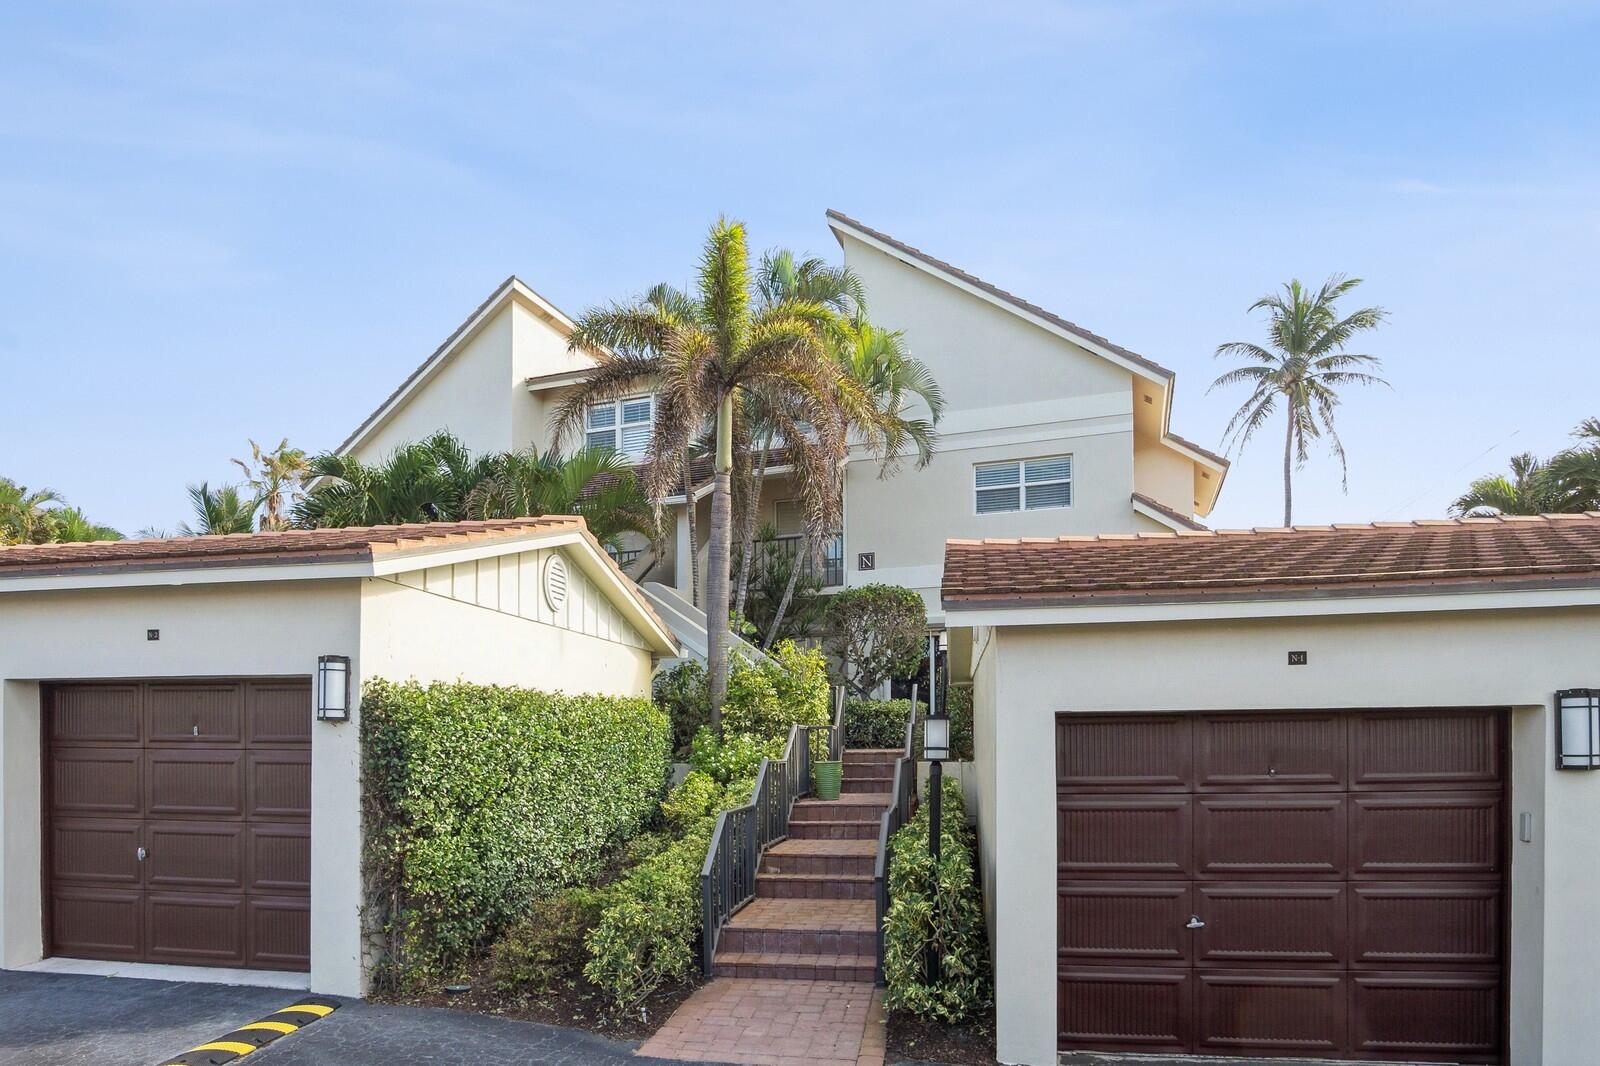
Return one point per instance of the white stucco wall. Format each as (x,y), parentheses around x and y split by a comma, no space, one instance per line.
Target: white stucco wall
(208,630)
(1484,658)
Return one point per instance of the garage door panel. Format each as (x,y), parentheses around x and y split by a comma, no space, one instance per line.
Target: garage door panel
(1249,752)
(1426,835)
(1270,1013)
(1146,753)
(88,714)
(100,851)
(279,929)
(280,784)
(96,781)
(1124,837)
(195,928)
(1124,1009)
(1260,925)
(278,712)
(1425,925)
(1426,749)
(96,923)
(1416,1016)
(1128,923)
(196,714)
(279,858)
(194,781)
(200,856)
(1270,836)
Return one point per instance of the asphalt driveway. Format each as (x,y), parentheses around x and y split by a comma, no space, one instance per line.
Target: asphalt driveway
(49,1019)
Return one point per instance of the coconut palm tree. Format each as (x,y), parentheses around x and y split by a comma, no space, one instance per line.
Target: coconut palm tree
(1529,490)
(1304,369)
(1576,470)
(423,481)
(218,511)
(597,483)
(24,515)
(700,359)
(69,525)
(275,476)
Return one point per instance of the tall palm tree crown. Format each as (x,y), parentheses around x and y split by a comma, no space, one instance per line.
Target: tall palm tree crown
(1303,369)
(702,353)
(1529,490)
(219,510)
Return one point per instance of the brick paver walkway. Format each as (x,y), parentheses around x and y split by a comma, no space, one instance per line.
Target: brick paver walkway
(763,1022)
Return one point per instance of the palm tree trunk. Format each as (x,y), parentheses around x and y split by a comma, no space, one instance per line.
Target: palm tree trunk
(747,531)
(717,578)
(800,559)
(1288,488)
(694,551)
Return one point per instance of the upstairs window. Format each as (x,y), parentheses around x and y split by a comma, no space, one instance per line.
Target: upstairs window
(622,425)
(1023,484)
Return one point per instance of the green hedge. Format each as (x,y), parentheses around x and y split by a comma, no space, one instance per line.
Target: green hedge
(942,907)
(479,799)
(876,723)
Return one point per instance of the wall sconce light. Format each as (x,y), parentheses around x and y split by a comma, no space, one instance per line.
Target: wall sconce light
(1578,729)
(333,688)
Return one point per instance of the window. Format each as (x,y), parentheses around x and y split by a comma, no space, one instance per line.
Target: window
(624,425)
(1024,484)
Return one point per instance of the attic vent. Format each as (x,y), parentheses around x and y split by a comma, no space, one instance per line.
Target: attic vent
(1147,398)
(555,583)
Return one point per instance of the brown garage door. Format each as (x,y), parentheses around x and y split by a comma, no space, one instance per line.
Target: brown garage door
(178,823)
(1321,884)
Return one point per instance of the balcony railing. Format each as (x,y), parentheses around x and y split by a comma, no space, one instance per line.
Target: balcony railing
(831,570)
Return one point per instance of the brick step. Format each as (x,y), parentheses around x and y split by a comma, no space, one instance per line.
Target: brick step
(739,940)
(815,886)
(820,829)
(796,967)
(866,756)
(875,785)
(841,857)
(868,771)
(850,806)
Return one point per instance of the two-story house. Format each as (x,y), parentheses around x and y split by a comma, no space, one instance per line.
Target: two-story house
(1048,428)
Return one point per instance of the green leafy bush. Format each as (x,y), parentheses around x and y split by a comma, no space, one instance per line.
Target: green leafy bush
(942,907)
(684,693)
(479,799)
(876,723)
(545,947)
(876,632)
(766,698)
(958,705)
(735,755)
(696,797)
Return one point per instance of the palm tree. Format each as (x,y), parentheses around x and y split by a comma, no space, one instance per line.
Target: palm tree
(24,515)
(1529,490)
(423,481)
(218,511)
(69,525)
(701,358)
(597,483)
(1305,368)
(276,477)
(1576,470)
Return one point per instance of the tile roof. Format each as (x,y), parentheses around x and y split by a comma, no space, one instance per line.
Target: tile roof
(270,549)
(1001,294)
(1383,557)
(1220,460)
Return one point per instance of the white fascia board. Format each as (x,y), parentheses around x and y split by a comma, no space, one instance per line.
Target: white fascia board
(710,483)
(122,577)
(1005,305)
(1189,453)
(557,381)
(1140,507)
(1305,607)
(385,564)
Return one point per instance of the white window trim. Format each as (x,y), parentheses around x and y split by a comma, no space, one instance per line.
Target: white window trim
(615,429)
(1071,481)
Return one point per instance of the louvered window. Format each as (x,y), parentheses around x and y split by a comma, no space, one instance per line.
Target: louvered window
(624,425)
(1023,484)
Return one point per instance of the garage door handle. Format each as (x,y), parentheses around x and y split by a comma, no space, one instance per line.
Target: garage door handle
(142,853)
(1194,922)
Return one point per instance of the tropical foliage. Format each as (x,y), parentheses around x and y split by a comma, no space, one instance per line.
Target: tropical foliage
(1302,370)
(1569,482)
(875,632)
(41,516)
(218,511)
(275,478)
(778,577)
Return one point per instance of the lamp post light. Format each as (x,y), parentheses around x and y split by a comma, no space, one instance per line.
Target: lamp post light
(333,688)
(935,749)
(1578,729)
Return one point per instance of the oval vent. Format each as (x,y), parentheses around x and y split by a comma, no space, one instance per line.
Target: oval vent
(555,583)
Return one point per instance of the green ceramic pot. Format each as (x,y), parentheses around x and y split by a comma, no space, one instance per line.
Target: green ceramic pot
(829,776)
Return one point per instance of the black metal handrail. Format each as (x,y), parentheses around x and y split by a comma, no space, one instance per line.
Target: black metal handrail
(728,876)
(899,812)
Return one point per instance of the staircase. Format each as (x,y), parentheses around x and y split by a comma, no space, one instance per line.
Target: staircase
(814,916)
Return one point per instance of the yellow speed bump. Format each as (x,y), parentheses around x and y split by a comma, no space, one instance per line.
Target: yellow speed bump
(247,1038)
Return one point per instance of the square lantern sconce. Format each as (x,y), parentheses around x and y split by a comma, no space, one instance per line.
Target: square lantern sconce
(1578,729)
(936,739)
(333,688)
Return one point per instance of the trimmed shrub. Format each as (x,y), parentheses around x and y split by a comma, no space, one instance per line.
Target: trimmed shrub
(876,632)
(735,755)
(941,907)
(545,948)
(685,694)
(877,723)
(695,798)
(479,799)
(766,698)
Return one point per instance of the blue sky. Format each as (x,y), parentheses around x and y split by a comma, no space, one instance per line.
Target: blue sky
(225,220)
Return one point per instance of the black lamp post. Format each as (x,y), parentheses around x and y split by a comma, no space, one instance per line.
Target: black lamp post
(935,749)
